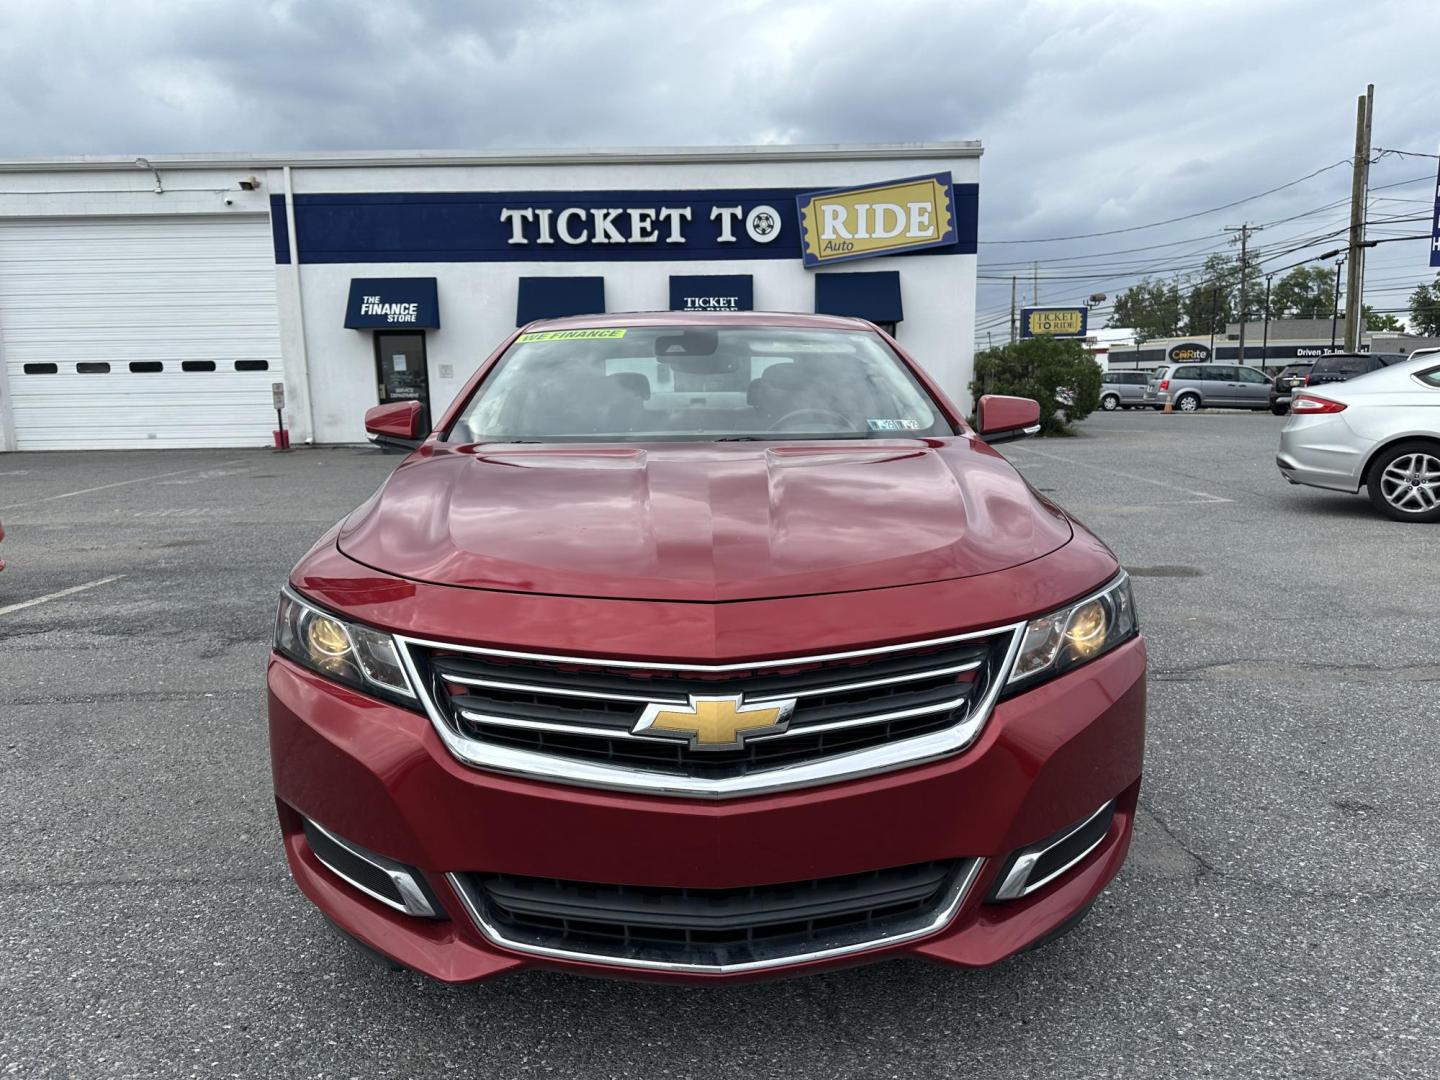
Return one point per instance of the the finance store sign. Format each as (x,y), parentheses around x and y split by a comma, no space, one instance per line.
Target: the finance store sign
(929,213)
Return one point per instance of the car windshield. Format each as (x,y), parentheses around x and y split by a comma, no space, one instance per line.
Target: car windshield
(698,382)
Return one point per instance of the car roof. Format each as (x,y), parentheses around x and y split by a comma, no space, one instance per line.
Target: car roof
(636,319)
(1386,379)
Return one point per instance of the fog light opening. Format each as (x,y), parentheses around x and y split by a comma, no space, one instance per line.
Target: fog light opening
(1034,867)
(392,883)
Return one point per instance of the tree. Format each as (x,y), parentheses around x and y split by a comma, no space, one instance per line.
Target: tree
(1038,368)
(1375,321)
(1212,299)
(1151,309)
(1307,292)
(1425,309)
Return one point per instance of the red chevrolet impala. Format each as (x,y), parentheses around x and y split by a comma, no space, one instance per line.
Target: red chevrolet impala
(705,647)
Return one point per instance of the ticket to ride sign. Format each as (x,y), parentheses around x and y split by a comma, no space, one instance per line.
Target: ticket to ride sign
(881,219)
(1066,322)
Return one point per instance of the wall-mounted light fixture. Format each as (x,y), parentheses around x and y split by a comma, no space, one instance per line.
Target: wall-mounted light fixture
(249,183)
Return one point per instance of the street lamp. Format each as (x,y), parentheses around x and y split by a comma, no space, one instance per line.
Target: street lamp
(1335,309)
(1265,346)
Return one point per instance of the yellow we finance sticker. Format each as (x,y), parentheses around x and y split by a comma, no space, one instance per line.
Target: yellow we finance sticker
(570,335)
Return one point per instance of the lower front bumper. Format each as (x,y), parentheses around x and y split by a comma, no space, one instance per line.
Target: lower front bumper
(379,776)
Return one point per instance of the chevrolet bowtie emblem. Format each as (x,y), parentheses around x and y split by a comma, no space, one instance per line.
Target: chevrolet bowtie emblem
(715,723)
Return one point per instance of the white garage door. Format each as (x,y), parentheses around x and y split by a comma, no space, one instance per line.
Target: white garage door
(128,333)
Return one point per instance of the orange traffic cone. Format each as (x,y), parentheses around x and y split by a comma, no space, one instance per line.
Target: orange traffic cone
(1169,408)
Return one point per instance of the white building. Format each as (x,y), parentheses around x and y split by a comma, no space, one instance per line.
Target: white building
(154,302)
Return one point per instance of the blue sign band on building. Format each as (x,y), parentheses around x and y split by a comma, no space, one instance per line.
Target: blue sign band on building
(712,292)
(562,226)
(874,296)
(1435,225)
(557,297)
(392,304)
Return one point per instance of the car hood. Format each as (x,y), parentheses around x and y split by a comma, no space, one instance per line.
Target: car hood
(703,522)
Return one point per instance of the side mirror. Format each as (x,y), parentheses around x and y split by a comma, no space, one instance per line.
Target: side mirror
(1002,418)
(395,424)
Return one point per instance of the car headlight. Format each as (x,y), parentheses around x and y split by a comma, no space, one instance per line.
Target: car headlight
(1069,637)
(348,652)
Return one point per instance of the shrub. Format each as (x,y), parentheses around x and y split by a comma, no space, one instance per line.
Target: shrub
(1039,368)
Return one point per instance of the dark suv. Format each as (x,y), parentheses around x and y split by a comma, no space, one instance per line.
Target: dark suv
(1286,383)
(1338,367)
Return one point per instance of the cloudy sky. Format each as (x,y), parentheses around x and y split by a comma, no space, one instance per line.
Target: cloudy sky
(1095,116)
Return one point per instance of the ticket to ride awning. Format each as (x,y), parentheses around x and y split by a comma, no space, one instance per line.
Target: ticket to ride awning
(556,297)
(874,296)
(712,292)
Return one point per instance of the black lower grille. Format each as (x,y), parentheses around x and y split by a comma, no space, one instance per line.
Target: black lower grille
(711,927)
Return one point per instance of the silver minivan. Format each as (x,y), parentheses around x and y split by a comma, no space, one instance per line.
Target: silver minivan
(1123,390)
(1208,386)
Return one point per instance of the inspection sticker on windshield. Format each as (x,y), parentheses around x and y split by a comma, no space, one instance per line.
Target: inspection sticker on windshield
(569,335)
(903,424)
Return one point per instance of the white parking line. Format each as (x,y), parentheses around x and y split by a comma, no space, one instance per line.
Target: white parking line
(1200,496)
(57,595)
(118,483)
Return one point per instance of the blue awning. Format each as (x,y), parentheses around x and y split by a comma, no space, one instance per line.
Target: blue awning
(556,297)
(712,292)
(407,303)
(874,296)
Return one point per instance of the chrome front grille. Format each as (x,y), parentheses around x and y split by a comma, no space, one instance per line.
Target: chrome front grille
(575,719)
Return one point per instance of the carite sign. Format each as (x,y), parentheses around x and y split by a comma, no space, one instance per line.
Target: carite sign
(1190,353)
(881,219)
(1069,322)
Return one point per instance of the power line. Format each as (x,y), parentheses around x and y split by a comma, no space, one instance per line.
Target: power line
(1182,217)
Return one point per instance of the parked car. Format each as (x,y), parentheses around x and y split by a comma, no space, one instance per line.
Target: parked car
(703,646)
(1379,431)
(1123,390)
(1338,367)
(1284,385)
(1208,386)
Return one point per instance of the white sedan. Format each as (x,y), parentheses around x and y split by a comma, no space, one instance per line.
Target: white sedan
(1379,431)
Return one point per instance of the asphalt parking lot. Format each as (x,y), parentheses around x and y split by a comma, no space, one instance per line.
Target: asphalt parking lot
(1279,916)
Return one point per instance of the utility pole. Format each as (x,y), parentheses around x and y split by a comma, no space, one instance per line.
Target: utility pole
(1359,186)
(1035,292)
(1013,281)
(1244,230)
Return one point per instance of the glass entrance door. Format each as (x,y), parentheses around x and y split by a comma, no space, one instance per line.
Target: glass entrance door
(401,373)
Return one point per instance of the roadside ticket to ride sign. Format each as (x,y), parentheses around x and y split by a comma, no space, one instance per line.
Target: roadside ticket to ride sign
(882,219)
(1053,322)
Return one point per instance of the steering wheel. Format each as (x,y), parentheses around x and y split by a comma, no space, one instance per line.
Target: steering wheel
(825,414)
